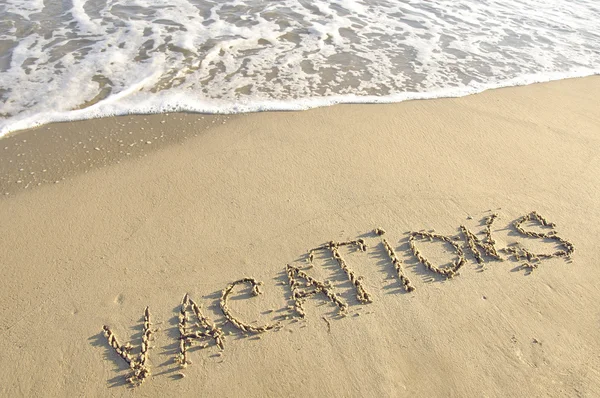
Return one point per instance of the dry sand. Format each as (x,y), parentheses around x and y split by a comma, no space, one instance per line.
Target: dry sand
(200,202)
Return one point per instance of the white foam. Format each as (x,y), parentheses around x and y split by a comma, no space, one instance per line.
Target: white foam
(244,56)
(165,102)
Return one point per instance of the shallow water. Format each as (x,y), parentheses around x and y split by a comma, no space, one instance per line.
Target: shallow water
(76,59)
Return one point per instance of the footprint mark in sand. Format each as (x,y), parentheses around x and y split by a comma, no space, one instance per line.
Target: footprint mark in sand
(120,299)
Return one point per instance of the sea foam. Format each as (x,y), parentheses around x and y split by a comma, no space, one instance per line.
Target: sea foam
(85,59)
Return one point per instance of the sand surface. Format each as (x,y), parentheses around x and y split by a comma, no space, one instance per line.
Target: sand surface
(199,202)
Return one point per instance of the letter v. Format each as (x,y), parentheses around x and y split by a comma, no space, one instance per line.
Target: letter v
(139,367)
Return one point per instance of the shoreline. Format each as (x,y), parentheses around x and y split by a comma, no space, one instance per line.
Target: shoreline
(66,148)
(215,199)
(302,104)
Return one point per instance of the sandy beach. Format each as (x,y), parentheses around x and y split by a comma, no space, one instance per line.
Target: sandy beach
(103,218)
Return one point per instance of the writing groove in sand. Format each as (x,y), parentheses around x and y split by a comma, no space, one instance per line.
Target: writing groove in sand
(196,328)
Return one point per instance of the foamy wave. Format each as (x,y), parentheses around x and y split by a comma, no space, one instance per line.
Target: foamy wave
(94,58)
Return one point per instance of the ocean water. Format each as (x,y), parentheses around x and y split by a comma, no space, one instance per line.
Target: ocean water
(78,59)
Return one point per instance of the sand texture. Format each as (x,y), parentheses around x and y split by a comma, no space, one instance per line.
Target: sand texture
(429,248)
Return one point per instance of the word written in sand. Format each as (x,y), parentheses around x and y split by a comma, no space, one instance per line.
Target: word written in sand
(197,328)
